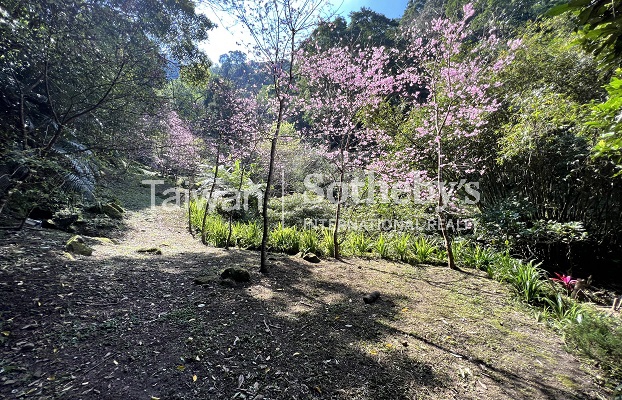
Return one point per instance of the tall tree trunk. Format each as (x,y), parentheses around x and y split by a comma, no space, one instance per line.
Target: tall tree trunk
(442,220)
(211,193)
(263,268)
(189,200)
(336,250)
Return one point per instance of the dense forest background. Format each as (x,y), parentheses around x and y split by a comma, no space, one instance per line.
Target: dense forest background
(90,87)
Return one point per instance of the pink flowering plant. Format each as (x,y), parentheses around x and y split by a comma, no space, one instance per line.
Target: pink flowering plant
(565,280)
(447,82)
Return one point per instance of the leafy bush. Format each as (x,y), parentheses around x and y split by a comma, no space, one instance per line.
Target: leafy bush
(309,242)
(382,247)
(502,268)
(327,246)
(527,281)
(423,249)
(401,245)
(358,244)
(296,208)
(285,240)
(247,236)
(478,257)
(563,309)
(196,213)
(216,231)
(600,338)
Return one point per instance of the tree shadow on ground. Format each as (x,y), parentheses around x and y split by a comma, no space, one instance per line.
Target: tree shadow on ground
(137,326)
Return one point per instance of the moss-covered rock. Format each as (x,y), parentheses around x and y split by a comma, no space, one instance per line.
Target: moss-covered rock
(113,210)
(76,245)
(150,250)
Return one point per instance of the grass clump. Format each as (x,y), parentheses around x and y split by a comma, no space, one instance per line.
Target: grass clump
(309,242)
(285,239)
(247,235)
(423,250)
(358,244)
(598,337)
(382,247)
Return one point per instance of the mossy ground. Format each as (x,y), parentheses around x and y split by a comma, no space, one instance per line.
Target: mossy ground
(121,324)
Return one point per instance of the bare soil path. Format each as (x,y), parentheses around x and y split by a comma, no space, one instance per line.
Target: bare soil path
(127,325)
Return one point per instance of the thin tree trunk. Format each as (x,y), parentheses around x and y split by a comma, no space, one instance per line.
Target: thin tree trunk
(189,199)
(336,252)
(263,268)
(442,221)
(211,193)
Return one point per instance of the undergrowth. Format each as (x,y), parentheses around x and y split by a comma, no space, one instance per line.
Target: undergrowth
(587,332)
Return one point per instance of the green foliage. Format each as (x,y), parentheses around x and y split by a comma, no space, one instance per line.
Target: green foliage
(247,235)
(606,117)
(358,244)
(216,231)
(599,25)
(296,208)
(502,268)
(382,247)
(528,282)
(327,246)
(477,257)
(599,338)
(309,242)
(401,246)
(196,212)
(563,309)
(285,239)
(423,249)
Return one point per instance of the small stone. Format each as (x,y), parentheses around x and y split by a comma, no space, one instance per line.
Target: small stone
(203,280)
(28,347)
(372,297)
(113,210)
(150,250)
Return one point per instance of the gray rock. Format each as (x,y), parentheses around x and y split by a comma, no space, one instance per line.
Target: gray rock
(372,297)
(312,258)
(236,274)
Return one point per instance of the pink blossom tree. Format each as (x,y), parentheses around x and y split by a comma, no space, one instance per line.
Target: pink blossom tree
(343,85)
(447,81)
(277,28)
(180,148)
(235,121)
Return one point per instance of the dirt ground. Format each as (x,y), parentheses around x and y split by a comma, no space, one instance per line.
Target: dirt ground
(127,325)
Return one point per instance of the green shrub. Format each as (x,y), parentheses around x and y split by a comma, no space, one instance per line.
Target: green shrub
(309,242)
(296,208)
(563,309)
(358,243)
(600,338)
(247,236)
(401,245)
(528,281)
(502,268)
(327,246)
(423,249)
(196,213)
(216,231)
(381,247)
(477,257)
(285,240)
